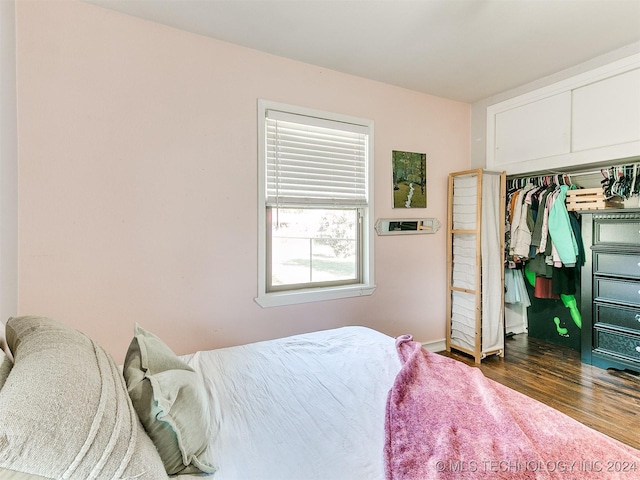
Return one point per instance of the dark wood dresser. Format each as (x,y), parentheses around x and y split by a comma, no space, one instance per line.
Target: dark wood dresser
(610,280)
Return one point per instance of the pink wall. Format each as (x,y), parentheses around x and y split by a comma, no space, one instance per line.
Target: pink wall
(138,173)
(8,165)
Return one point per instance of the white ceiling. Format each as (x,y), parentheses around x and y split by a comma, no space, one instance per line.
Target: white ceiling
(464,50)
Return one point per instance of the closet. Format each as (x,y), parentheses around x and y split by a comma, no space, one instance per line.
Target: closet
(475,263)
(544,255)
(572,271)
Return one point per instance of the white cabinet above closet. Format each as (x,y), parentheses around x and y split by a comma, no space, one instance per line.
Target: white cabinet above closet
(607,112)
(533,130)
(587,119)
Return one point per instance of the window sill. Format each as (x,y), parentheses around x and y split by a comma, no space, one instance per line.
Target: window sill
(294,297)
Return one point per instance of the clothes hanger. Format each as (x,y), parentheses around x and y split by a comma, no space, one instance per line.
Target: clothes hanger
(606,182)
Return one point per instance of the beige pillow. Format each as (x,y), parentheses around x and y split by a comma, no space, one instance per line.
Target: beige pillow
(171,401)
(5,368)
(65,410)
(3,343)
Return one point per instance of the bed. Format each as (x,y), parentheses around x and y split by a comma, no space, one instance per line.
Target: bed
(348,403)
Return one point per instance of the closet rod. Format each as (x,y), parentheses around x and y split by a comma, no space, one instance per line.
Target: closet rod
(577,174)
(599,172)
(571,174)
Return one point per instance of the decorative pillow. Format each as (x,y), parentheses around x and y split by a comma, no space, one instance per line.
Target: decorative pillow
(65,410)
(171,402)
(3,343)
(5,368)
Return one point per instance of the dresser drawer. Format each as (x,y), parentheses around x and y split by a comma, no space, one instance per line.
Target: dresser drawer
(618,264)
(618,316)
(617,291)
(617,231)
(626,346)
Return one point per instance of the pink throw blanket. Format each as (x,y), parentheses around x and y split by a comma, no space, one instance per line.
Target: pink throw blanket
(447,420)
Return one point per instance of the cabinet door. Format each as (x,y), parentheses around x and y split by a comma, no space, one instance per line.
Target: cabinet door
(535,130)
(607,112)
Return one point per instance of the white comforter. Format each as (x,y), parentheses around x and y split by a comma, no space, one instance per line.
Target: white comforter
(305,407)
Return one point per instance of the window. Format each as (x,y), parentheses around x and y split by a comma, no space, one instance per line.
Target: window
(315,204)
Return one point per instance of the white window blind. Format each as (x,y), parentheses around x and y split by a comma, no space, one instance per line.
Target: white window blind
(313,161)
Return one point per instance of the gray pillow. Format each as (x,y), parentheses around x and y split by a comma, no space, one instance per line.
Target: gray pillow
(65,410)
(171,402)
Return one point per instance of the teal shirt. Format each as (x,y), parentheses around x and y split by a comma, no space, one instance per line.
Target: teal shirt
(560,230)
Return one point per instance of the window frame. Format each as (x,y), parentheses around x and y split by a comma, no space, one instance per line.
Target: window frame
(313,294)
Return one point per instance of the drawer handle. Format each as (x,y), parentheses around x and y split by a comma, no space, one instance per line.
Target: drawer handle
(638,349)
(638,317)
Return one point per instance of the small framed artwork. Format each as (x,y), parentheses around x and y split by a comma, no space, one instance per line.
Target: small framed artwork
(409,179)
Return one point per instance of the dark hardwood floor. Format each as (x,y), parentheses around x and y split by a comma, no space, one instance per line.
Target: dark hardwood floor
(605,400)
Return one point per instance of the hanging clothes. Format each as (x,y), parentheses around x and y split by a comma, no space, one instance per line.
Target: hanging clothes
(521,224)
(544,288)
(515,288)
(545,236)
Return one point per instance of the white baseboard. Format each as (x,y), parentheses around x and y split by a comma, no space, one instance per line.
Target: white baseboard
(517,330)
(435,346)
